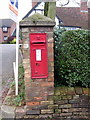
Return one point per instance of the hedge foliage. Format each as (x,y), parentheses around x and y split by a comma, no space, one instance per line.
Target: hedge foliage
(72,66)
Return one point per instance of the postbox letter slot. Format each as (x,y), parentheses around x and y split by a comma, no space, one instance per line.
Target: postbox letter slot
(38,43)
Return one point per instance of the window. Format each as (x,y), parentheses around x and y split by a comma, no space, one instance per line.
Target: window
(5,38)
(5,29)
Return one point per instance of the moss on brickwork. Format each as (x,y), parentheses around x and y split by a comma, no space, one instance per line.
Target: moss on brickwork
(37,17)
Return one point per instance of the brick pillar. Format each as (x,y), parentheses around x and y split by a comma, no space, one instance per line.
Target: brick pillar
(38,90)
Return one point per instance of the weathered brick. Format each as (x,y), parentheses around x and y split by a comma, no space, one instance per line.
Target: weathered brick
(20,112)
(50,40)
(65,114)
(75,105)
(81,113)
(50,45)
(39,107)
(27,71)
(65,110)
(78,90)
(32,103)
(86,91)
(65,106)
(27,75)
(38,98)
(51,59)
(40,80)
(25,36)
(51,64)
(47,111)
(66,97)
(71,91)
(33,112)
(46,102)
(36,91)
(71,110)
(31,117)
(75,101)
(61,91)
(75,96)
(26,61)
(25,54)
(77,117)
(51,74)
(57,111)
(27,66)
(27,81)
(52,106)
(24,30)
(57,91)
(51,69)
(50,98)
(47,84)
(61,102)
(50,79)
(50,90)
(75,109)
(57,98)
(55,115)
(45,116)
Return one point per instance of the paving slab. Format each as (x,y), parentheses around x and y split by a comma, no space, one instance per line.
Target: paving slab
(8,111)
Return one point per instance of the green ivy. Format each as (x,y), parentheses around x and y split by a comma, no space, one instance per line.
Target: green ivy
(72,66)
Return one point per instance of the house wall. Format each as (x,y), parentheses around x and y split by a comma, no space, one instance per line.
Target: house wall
(84,13)
(89,18)
(1,35)
(9,33)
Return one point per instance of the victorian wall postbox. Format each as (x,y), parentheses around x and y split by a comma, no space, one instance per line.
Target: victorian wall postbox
(38,55)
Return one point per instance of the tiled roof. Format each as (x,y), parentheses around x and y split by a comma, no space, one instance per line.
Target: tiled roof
(6,22)
(72,16)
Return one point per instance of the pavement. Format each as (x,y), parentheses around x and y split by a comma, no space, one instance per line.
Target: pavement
(7,57)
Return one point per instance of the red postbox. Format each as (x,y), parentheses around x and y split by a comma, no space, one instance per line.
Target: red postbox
(38,55)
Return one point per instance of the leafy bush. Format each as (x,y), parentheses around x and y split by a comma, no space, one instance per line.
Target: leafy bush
(72,58)
(13,41)
(10,40)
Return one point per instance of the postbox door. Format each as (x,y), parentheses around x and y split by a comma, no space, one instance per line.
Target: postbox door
(39,62)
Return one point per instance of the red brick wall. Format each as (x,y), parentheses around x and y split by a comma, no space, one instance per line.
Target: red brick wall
(1,37)
(89,18)
(8,34)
